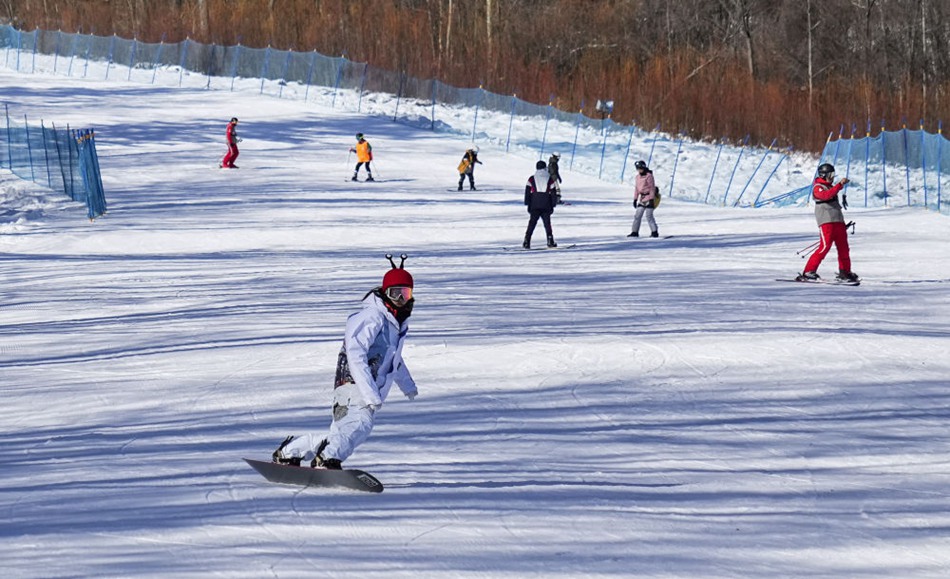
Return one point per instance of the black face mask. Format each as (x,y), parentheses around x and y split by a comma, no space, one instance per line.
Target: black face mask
(401,313)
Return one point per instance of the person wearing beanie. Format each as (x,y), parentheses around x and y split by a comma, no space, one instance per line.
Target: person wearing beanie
(233,139)
(540,197)
(644,199)
(368,365)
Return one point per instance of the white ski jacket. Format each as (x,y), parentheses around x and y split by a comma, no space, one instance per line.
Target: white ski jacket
(373,345)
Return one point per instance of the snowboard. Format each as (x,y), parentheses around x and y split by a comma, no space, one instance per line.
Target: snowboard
(827,282)
(541,248)
(304,476)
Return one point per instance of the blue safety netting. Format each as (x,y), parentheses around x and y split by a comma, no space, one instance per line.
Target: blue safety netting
(61,159)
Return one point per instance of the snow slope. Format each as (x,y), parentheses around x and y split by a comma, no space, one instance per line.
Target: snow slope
(640,408)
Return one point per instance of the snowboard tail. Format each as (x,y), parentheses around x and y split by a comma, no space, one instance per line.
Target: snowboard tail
(353,479)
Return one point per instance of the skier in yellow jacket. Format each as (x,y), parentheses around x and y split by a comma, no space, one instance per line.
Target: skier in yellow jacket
(364,154)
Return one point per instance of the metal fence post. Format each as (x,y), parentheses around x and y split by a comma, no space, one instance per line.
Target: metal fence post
(132,57)
(313,62)
(511,121)
(603,147)
(49,176)
(435,85)
(158,57)
(29,147)
(764,185)
(712,176)
(182,58)
(264,67)
(283,74)
(577,130)
(656,135)
(234,66)
(734,168)
(883,158)
(478,104)
(762,160)
(939,161)
(336,85)
(626,155)
(676,161)
(547,119)
(359,101)
(111,53)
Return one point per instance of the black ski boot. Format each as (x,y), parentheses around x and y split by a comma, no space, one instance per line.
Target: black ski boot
(551,242)
(847,276)
(634,234)
(279,457)
(527,243)
(370,178)
(654,234)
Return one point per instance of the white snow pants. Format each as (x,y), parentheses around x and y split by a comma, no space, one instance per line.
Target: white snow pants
(346,433)
(639,215)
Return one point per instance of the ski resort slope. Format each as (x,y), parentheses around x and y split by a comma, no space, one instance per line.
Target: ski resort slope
(625,408)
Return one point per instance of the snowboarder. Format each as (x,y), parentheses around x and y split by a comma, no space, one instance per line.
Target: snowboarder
(369,362)
(556,175)
(644,193)
(831,226)
(467,168)
(232,139)
(364,154)
(540,199)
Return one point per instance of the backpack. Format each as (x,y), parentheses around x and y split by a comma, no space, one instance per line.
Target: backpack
(656,197)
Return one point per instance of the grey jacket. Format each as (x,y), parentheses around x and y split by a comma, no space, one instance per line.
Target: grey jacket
(827,207)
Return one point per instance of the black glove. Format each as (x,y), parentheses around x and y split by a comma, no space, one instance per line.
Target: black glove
(844,201)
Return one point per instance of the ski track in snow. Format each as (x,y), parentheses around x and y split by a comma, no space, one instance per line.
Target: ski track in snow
(647,408)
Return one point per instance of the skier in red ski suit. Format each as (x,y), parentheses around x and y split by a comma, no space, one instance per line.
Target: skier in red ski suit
(233,140)
(831,225)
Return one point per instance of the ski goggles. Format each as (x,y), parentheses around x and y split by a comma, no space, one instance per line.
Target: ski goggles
(399,293)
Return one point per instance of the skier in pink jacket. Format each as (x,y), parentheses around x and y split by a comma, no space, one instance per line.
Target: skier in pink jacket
(644,193)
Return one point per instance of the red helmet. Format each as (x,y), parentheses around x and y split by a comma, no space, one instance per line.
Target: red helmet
(397,277)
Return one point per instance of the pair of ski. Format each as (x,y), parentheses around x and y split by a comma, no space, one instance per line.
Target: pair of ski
(540,248)
(824,281)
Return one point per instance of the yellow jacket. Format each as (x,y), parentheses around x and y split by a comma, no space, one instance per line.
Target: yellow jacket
(364,151)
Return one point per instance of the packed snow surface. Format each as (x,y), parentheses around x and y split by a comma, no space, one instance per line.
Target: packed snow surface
(626,408)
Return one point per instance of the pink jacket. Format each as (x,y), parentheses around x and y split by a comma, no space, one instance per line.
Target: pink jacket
(644,189)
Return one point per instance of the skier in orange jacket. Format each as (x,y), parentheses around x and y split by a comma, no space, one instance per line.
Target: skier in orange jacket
(364,154)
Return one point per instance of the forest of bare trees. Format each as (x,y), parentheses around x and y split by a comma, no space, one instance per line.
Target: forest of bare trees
(791,69)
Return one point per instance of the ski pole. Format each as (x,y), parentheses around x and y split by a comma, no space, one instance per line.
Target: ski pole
(801,252)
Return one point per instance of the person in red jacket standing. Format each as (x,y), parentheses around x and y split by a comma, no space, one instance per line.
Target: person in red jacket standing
(831,225)
(233,140)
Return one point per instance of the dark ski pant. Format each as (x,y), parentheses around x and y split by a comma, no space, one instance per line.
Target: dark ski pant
(360,164)
(471,180)
(545,217)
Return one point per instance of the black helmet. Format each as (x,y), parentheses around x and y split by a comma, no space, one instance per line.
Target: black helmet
(234,119)
(826,169)
(359,136)
(540,165)
(640,165)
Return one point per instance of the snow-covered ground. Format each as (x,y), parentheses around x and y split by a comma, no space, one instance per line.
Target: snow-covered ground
(640,408)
